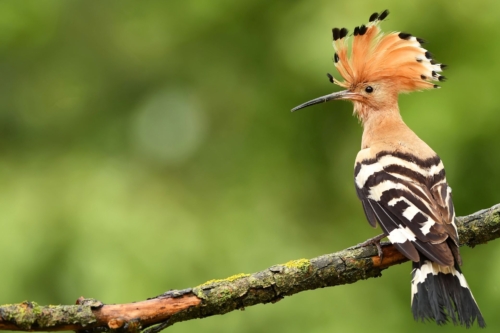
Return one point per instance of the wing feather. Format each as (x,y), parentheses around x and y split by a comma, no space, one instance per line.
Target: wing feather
(411,202)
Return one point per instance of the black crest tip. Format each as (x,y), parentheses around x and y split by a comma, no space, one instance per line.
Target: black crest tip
(336,57)
(343,33)
(421,40)
(383,15)
(404,35)
(434,73)
(442,78)
(362,30)
(373,17)
(356,31)
(336,33)
(443,66)
(428,55)
(330,77)
(436,86)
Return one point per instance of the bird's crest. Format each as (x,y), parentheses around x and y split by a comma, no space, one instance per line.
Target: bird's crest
(397,57)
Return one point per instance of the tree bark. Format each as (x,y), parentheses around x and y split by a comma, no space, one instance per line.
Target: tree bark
(236,292)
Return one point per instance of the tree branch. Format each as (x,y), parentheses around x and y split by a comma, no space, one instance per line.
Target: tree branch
(236,292)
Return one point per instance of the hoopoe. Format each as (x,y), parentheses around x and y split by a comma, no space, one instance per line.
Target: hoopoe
(398,178)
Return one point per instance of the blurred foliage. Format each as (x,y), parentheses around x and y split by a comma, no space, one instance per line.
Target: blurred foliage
(148,146)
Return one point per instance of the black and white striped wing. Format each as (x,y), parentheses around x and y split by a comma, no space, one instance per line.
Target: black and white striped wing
(411,201)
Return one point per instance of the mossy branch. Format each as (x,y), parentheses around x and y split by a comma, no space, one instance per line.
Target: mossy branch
(236,292)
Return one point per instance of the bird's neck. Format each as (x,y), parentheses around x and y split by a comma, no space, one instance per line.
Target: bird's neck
(385,130)
(383,126)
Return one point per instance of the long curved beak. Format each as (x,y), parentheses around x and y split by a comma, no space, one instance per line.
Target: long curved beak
(344,94)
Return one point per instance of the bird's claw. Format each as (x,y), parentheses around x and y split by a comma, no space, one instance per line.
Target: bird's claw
(372,241)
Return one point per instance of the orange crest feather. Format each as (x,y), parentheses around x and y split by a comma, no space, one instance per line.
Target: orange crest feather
(397,57)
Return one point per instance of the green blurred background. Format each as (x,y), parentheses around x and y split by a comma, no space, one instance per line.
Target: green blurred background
(149,145)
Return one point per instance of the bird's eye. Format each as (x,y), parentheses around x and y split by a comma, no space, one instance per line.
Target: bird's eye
(369,89)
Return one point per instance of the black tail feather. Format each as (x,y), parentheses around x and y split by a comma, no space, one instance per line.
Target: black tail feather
(441,293)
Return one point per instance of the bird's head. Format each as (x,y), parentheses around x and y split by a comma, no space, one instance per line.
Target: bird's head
(377,67)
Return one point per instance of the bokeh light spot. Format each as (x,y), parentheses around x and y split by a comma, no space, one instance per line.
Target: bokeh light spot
(169,127)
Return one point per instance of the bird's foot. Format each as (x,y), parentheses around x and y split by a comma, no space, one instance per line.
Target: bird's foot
(372,241)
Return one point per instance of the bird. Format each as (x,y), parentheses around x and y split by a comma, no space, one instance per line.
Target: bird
(399,179)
